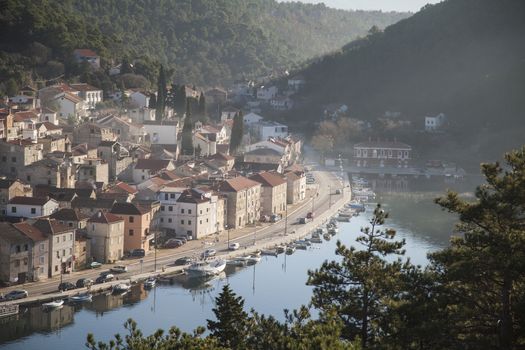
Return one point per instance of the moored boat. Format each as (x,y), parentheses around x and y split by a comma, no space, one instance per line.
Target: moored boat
(55,304)
(290,249)
(150,283)
(327,236)
(316,240)
(280,249)
(121,288)
(205,268)
(81,297)
(254,259)
(270,252)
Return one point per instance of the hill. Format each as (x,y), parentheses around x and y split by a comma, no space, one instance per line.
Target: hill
(201,41)
(465,58)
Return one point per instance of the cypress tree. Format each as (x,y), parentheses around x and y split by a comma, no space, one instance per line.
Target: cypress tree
(152,101)
(202,106)
(187,133)
(237,133)
(161,94)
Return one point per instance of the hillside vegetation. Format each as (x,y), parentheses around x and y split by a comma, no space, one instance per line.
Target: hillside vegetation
(200,41)
(465,58)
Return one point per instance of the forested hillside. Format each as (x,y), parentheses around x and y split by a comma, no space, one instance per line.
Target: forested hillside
(465,58)
(200,41)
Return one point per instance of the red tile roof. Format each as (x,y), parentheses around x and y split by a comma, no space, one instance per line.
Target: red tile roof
(125,187)
(85,53)
(268,179)
(152,164)
(237,184)
(30,231)
(51,226)
(28,200)
(104,218)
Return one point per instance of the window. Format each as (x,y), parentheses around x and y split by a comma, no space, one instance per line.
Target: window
(182,222)
(131,232)
(41,260)
(42,247)
(189,211)
(165,196)
(189,222)
(131,219)
(13,159)
(70,224)
(63,238)
(58,254)
(200,222)
(4,159)
(13,209)
(182,211)
(70,236)
(172,195)
(161,219)
(28,177)
(26,247)
(33,210)
(63,252)
(169,220)
(17,249)
(162,208)
(56,268)
(70,251)
(200,212)
(170,208)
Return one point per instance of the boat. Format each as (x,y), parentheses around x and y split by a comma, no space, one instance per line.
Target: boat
(257,253)
(301,246)
(303,242)
(290,249)
(327,236)
(254,259)
(121,288)
(332,231)
(280,249)
(9,310)
(55,304)
(356,205)
(315,235)
(150,283)
(79,298)
(270,252)
(205,268)
(236,262)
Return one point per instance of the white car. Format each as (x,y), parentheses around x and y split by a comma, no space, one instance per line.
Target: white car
(119,269)
(234,246)
(208,253)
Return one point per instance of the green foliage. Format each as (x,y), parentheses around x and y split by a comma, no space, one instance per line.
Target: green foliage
(237,133)
(358,288)
(231,326)
(187,133)
(460,57)
(161,95)
(483,271)
(204,42)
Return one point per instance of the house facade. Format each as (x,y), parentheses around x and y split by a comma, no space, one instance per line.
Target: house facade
(382,154)
(273,193)
(137,225)
(106,232)
(31,207)
(243,201)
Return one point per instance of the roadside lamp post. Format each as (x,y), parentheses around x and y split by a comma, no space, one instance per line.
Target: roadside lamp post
(228,229)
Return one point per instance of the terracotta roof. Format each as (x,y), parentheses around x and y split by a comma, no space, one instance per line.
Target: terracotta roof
(50,126)
(264,151)
(68,214)
(268,179)
(20,116)
(11,234)
(51,226)
(104,218)
(128,209)
(92,203)
(152,164)
(237,184)
(222,156)
(124,187)
(72,98)
(28,200)
(30,231)
(47,110)
(383,144)
(292,175)
(85,52)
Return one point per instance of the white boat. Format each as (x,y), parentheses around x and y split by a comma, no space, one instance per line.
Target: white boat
(316,240)
(236,262)
(205,268)
(121,288)
(55,304)
(150,283)
(270,252)
(81,297)
(301,246)
(315,235)
(305,242)
(280,249)
(290,249)
(327,236)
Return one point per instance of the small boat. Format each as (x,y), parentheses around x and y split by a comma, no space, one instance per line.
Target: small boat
(316,240)
(280,249)
(236,262)
(254,260)
(327,236)
(81,298)
(257,253)
(305,242)
(290,249)
(205,268)
(315,235)
(121,288)
(270,252)
(332,231)
(150,283)
(301,246)
(55,304)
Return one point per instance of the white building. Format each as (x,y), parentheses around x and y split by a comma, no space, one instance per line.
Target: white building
(271,129)
(251,118)
(281,103)
(139,98)
(31,207)
(144,169)
(90,94)
(267,93)
(70,105)
(163,132)
(296,83)
(435,123)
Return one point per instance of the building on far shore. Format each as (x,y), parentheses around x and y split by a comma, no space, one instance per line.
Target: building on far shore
(380,154)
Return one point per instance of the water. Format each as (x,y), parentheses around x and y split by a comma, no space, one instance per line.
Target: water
(269,287)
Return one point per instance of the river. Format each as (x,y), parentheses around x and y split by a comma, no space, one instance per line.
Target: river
(269,287)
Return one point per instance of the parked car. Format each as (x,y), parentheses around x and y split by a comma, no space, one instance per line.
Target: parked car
(275,217)
(183,261)
(234,246)
(16,294)
(173,243)
(310,215)
(84,282)
(208,253)
(95,265)
(107,277)
(66,286)
(119,269)
(137,253)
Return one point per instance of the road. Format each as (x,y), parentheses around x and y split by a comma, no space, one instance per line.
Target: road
(319,198)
